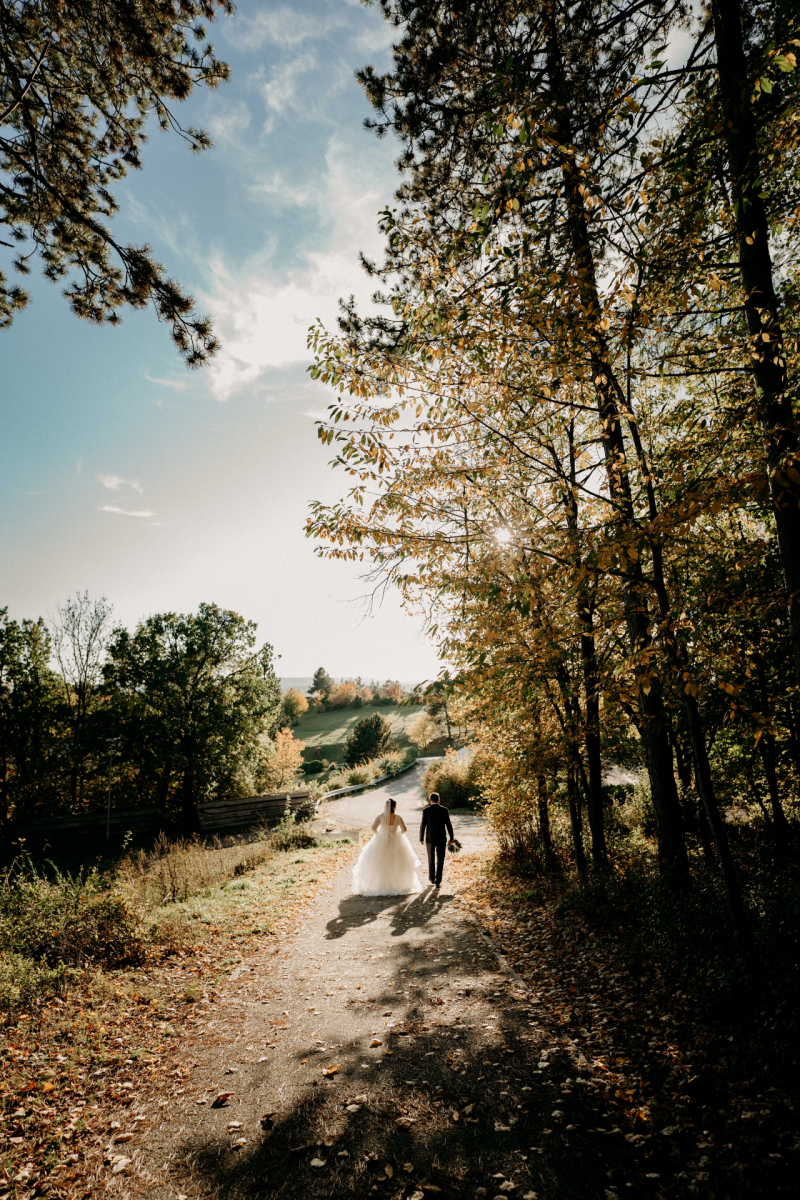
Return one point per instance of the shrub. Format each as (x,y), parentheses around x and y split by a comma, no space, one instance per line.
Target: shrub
(359,776)
(454,777)
(314,766)
(24,983)
(292,834)
(68,920)
(371,737)
(342,695)
(358,702)
(423,730)
(294,705)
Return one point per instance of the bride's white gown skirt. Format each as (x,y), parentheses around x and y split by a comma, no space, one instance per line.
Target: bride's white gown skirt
(387,866)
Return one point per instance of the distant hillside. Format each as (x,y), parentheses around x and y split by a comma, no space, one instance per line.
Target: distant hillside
(303,682)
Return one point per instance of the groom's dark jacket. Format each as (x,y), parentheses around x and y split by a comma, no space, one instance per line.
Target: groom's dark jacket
(435,824)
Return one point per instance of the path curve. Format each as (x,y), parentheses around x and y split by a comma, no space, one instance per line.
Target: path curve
(360,810)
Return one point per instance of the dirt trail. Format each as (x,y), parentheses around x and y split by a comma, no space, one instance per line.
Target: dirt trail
(381,1050)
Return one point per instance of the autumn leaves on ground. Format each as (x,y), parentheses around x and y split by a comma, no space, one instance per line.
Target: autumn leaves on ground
(628,1041)
(79,1039)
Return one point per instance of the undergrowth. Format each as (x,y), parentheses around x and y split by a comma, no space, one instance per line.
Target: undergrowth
(745,998)
(56,926)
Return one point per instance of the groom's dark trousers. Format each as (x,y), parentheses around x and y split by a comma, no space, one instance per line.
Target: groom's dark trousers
(433,831)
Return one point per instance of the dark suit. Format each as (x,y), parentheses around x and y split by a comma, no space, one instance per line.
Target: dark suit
(433,831)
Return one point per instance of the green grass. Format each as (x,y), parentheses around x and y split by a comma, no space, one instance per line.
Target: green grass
(325,733)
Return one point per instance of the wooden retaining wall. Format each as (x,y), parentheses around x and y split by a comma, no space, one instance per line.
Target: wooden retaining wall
(138,820)
(233,813)
(250,810)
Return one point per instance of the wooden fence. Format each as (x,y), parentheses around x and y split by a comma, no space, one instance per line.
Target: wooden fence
(235,813)
(137,820)
(250,810)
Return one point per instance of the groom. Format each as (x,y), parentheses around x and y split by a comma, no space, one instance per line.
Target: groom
(433,832)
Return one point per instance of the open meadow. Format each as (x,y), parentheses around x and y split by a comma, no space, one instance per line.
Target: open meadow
(325,733)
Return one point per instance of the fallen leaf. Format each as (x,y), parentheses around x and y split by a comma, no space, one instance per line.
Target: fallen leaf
(531,1196)
(389,1169)
(376,1042)
(221,1100)
(239,1143)
(454,1115)
(408,1166)
(48,1087)
(353,1108)
(500,1128)
(119,1165)
(123,1137)
(417,1196)
(468,1109)
(508,1186)
(331,1070)
(360,1099)
(318,1162)
(234,1125)
(404,1122)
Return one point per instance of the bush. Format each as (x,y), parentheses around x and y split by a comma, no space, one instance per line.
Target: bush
(292,834)
(314,766)
(68,920)
(358,702)
(359,776)
(371,737)
(24,983)
(454,777)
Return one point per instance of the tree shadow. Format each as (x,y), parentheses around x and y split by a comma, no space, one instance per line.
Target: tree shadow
(448,1098)
(410,911)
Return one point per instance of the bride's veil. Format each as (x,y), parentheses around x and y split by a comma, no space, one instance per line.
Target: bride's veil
(386,815)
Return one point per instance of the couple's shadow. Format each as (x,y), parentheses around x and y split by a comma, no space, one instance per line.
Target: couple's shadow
(409,911)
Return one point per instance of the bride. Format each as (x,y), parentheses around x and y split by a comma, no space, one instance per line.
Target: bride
(387,864)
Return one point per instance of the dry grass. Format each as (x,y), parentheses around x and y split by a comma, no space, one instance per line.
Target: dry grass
(63,1055)
(173,871)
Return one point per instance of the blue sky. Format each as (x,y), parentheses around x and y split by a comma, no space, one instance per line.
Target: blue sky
(127,475)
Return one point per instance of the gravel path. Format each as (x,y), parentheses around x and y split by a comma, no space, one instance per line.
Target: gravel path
(359,811)
(381,1050)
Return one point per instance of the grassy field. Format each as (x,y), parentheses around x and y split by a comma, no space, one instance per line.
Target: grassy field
(325,733)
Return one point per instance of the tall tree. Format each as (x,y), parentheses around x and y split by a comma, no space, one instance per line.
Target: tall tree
(209,695)
(81,629)
(79,83)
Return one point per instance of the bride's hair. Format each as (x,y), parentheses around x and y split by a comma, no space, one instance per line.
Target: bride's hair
(392,805)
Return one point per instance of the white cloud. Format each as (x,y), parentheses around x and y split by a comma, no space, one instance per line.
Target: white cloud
(277,27)
(228,122)
(180,385)
(280,90)
(115,482)
(263,315)
(124,512)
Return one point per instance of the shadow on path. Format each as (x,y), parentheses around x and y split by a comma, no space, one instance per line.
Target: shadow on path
(408,911)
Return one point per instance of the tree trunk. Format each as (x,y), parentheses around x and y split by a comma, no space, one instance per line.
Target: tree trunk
(592,740)
(163,785)
(672,857)
(685,778)
(767,359)
(591,679)
(702,774)
(769,757)
(576,824)
(190,819)
(544,820)
(780,825)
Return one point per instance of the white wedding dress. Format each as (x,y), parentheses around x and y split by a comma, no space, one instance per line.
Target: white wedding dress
(387,866)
